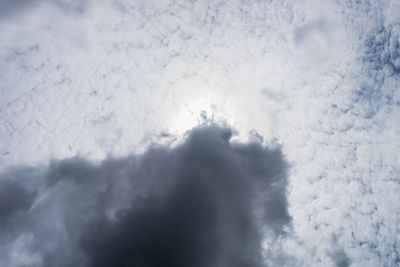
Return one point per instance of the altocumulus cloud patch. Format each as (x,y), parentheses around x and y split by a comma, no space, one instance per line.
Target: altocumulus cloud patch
(206,202)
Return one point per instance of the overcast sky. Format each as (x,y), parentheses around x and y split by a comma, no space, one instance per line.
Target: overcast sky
(246,133)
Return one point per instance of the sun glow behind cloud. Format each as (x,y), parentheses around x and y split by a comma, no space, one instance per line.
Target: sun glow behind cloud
(201,103)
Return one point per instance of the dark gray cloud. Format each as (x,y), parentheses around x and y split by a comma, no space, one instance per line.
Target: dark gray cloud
(206,202)
(13,199)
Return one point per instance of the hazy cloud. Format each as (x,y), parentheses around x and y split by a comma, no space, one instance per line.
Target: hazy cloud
(338,254)
(340,258)
(9,8)
(206,202)
(13,199)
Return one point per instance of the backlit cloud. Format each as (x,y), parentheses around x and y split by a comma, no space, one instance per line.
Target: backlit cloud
(206,202)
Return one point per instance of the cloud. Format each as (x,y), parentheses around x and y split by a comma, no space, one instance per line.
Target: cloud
(340,258)
(206,202)
(320,77)
(13,199)
(338,254)
(9,8)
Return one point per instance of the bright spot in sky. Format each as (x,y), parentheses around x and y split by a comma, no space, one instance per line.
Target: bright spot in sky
(192,114)
(199,99)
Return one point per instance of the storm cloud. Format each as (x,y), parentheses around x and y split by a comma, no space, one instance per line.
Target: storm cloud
(13,199)
(206,202)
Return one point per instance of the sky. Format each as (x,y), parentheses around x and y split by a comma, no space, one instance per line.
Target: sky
(199,133)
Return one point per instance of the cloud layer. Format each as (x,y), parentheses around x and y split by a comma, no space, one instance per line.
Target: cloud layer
(206,202)
(102,78)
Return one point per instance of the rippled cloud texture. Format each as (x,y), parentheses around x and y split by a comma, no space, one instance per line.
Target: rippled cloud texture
(206,202)
(100,80)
